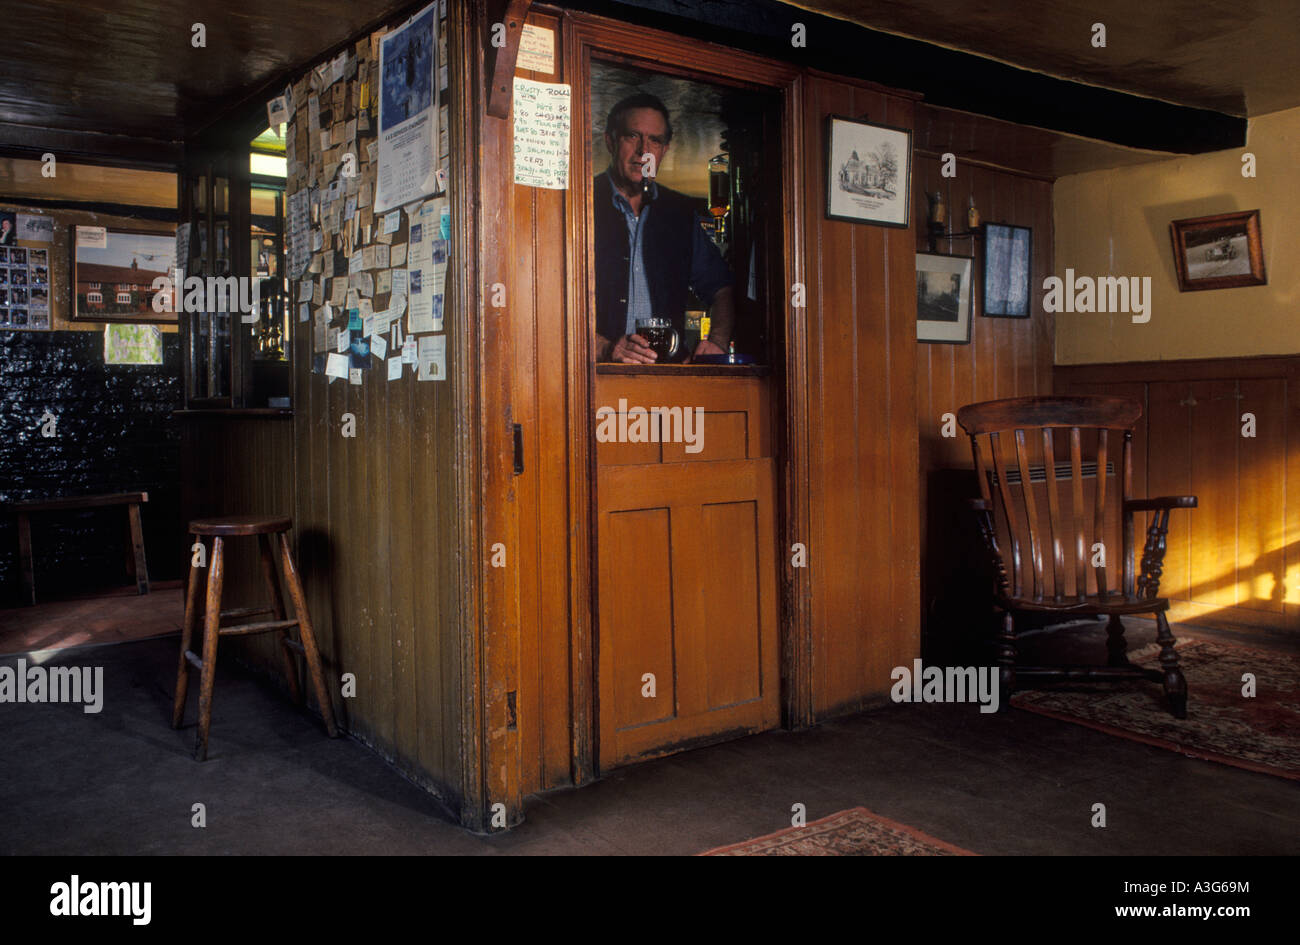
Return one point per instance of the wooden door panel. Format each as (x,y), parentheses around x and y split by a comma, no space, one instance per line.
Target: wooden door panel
(1261,495)
(731,603)
(1214,435)
(637,580)
(687,591)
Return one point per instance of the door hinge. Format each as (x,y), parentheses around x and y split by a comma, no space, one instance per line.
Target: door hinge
(519,449)
(512,719)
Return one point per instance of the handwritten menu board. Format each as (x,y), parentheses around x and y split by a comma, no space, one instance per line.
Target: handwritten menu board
(541,134)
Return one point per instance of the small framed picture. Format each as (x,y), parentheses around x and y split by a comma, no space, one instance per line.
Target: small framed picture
(1218,252)
(1008,261)
(868,172)
(943,298)
(114,281)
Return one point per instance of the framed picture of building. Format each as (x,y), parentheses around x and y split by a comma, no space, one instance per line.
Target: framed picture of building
(114,276)
(1218,252)
(868,172)
(943,298)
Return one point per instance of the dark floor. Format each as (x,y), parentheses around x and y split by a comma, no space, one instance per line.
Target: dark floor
(123,782)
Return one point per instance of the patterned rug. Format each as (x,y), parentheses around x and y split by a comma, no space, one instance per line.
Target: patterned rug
(1260,733)
(855,832)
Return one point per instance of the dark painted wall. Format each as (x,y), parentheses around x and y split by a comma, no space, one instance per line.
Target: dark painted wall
(114,433)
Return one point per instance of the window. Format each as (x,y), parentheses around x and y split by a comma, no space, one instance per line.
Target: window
(94,285)
(124,298)
(95,298)
(721,162)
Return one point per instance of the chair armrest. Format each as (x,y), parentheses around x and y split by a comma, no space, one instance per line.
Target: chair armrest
(1153,554)
(1162,502)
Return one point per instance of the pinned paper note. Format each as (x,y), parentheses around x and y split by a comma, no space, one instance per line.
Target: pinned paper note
(336,365)
(541,133)
(393,221)
(537,49)
(433,358)
(378,346)
(92,237)
(408,351)
(277,113)
(395,368)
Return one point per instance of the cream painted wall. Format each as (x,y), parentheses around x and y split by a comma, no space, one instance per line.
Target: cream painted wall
(1116,223)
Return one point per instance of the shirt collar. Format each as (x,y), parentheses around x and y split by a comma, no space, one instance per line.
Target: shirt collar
(620,202)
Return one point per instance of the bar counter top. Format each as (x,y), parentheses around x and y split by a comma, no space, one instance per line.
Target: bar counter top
(687,370)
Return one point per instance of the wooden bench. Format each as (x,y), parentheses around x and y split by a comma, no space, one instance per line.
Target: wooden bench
(135,551)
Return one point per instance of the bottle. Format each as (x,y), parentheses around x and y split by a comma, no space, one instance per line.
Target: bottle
(731,352)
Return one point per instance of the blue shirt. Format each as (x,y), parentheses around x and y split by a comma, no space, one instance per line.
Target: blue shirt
(709,271)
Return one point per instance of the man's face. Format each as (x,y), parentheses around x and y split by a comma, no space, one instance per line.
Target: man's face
(644,132)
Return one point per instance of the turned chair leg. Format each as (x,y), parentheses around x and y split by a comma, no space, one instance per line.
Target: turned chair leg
(308,637)
(277,608)
(1116,648)
(1006,650)
(211,631)
(1175,684)
(187,635)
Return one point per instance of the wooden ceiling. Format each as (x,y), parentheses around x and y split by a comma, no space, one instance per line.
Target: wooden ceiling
(1237,57)
(123,74)
(121,78)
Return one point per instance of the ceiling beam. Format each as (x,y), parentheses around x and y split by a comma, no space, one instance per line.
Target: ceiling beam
(945,77)
(89,147)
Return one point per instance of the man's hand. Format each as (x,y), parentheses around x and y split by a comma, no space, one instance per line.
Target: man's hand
(705,347)
(633,349)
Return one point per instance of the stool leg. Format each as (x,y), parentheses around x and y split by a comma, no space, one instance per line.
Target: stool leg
(277,608)
(187,635)
(26,559)
(140,571)
(308,638)
(211,630)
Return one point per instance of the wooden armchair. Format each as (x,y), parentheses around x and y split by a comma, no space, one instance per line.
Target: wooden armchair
(1021,511)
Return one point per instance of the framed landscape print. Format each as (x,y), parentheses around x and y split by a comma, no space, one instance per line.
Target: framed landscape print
(943,298)
(113,275)
(1218,252)
(1008,259)
(868,172)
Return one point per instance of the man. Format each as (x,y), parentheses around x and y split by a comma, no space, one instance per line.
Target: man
(7,230)
(650,248)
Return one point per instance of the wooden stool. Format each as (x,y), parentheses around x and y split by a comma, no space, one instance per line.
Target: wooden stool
(237,526)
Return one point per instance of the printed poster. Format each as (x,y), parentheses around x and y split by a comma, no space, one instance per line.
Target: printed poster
(408,112)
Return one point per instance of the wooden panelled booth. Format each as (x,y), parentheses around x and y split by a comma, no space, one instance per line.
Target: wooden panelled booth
(499,582)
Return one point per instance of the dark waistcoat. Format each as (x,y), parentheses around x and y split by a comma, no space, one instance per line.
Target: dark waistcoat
(666,251)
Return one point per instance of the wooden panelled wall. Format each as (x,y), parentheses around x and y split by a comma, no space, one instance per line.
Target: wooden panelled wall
(1234,561)
(861,424)
(380,533)
(1006,357)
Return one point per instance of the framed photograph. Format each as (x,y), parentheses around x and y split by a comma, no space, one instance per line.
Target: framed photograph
(1008,261)
(1218,252)
(868,172)
(115,282)
(943,298)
